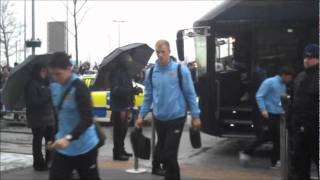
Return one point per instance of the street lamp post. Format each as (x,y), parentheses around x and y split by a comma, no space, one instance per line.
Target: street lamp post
(67,25)
(33,43)
(25,31)
(119,22)
(33,30)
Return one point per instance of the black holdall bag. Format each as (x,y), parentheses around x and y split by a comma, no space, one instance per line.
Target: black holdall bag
(195,137)
(100,133)
(141,145)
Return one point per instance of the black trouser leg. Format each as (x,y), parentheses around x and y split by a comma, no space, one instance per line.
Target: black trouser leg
(124,122)
(61,168)
(171,132)
(38,160)
(118,143)
(87,166)
(161,136)
(171,148)
(306,151)
(48,136)
(314,146)
(274,130)
(302,159)
(259,128)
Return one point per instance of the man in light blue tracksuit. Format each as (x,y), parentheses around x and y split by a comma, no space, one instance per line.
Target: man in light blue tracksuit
(269,102)
(170,94)
(76,138)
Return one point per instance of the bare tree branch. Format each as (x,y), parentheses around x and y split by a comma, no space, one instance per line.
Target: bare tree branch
(8,30)
(85,1)
(85,13)
(67,8)
(76,23)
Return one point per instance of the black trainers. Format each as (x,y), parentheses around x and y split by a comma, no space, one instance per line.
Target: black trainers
(120,157)
(39,168)
(127,154)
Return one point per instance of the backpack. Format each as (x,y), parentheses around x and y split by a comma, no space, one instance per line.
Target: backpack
(179,76)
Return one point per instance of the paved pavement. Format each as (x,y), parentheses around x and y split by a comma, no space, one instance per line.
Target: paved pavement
(216,160)
(11,161)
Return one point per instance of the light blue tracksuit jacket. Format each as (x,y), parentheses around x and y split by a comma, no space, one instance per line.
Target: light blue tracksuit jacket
(69,118)
(165,95)
(269,95)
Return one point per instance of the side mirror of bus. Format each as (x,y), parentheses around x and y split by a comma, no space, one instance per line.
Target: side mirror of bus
(180,45)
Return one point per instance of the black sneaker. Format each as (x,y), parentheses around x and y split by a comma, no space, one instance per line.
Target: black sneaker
(158,172)
(39,168)
(127,154)
(120,158)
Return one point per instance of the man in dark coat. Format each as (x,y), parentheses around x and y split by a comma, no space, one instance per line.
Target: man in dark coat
(122,100)
(40,116)
(305,114)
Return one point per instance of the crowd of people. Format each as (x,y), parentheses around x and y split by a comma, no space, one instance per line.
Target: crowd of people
(61,113)
(59,110)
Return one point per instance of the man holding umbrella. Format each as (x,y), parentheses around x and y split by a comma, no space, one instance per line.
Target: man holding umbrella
(122,97)
(116,72)
(170,100)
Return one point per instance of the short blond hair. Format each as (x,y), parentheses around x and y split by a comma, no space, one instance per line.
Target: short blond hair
(162,42)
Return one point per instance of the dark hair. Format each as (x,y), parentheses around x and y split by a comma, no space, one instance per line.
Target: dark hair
(35,72)
(60,60)
(286,71)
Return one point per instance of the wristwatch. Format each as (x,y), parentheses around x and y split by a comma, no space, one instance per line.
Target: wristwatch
(68,137)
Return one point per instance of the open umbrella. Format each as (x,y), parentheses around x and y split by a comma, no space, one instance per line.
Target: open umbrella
(13,91)
(137,54)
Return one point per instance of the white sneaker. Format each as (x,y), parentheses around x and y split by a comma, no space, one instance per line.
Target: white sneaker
(276,166)
(244,158)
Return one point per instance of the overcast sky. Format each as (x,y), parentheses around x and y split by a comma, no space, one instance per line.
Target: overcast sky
(147,21)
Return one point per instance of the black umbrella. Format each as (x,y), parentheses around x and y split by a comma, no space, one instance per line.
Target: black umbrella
(137,54)
(13,91)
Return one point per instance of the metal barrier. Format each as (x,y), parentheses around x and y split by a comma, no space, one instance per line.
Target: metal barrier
(284,138)
(284,149)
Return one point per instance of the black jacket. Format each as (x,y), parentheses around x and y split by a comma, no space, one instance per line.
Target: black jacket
(39,109)
(122,90)
(305,108)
